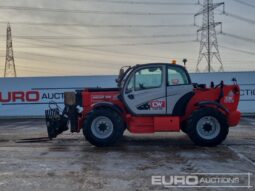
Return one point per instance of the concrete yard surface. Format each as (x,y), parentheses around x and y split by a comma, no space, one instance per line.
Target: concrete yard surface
(31,162)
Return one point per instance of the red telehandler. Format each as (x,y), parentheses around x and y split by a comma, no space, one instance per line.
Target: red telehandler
(149,98)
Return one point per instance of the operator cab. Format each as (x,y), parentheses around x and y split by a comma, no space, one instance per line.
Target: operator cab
(151,89)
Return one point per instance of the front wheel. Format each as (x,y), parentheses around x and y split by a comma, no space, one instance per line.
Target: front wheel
(207,127)
(103,127)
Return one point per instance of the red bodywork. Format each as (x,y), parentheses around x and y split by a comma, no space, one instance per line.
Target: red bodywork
(151,124)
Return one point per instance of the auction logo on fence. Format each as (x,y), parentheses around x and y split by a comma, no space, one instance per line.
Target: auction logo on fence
(23,96)
(31,96)
(203,180)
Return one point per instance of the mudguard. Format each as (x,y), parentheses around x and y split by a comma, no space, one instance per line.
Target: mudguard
(110,105)
(214,103)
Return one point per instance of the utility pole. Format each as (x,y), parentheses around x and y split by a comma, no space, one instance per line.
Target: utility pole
(209,50)
(10,69)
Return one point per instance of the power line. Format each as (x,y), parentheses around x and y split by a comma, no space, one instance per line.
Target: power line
(174,2)
(75,61)
(99,26)
(101,52)
(31,70)
(235,16)
(107,52)
(238,50)
(140,3)
(91,11)
(116,45)
(251,1)
(251,21)
(245,3)
(65,61)
(60,37)
(239,37)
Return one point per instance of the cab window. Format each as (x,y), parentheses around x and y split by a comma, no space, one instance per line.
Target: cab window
(177,76)
(148,78)
(130,86)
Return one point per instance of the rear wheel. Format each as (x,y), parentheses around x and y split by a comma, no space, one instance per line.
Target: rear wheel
(207,127)
(103,127)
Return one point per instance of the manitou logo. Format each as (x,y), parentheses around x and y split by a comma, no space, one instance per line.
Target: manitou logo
(156,104)
(230,98)
(20,96)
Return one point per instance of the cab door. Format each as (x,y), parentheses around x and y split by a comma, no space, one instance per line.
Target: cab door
(179,88)
(145,90)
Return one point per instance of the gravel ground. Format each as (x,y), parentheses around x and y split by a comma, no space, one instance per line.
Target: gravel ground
(29,161)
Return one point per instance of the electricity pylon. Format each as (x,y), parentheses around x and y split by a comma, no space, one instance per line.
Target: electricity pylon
(10,69)
(209,50)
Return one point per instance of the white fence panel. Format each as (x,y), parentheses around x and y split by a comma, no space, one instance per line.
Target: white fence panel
(25,97)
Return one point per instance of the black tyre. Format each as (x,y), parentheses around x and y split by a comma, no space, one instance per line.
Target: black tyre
(207,127)
(103,127)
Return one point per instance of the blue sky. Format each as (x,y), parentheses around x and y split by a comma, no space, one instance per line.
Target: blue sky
(100,42)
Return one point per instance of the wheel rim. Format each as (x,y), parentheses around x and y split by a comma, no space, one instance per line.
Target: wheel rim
(102,127)
(208,127)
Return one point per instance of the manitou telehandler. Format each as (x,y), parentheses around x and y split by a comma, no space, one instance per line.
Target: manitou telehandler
(149,98)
